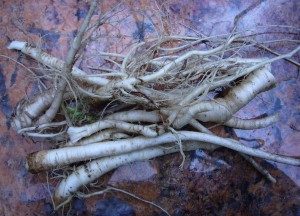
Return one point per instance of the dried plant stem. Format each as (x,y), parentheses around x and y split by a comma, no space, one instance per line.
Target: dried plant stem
(51,112)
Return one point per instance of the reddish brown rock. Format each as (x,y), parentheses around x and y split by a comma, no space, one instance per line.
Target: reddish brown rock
(134,172)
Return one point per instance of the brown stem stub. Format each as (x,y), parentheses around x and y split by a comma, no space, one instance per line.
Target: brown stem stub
(34,161)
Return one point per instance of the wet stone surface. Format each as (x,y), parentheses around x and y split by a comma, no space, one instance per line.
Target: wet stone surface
(211,183)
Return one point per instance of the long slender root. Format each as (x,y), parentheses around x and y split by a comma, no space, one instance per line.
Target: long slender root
(112,134)
(250,124)
(258,167)
(77,133)
(51,158)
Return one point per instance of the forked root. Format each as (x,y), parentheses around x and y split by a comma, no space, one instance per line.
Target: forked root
(109,134)
(91,171)
(32,110)
(77,133)
(221,110)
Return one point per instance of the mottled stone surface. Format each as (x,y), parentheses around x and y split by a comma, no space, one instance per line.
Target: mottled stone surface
(221,183)
(135,172)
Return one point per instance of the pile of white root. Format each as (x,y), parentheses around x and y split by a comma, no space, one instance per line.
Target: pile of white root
(156,99)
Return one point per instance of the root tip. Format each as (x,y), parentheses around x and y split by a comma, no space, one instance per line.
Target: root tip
(16,124)
(18,45)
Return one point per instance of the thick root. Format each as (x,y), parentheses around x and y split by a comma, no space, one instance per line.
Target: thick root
(222,109)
